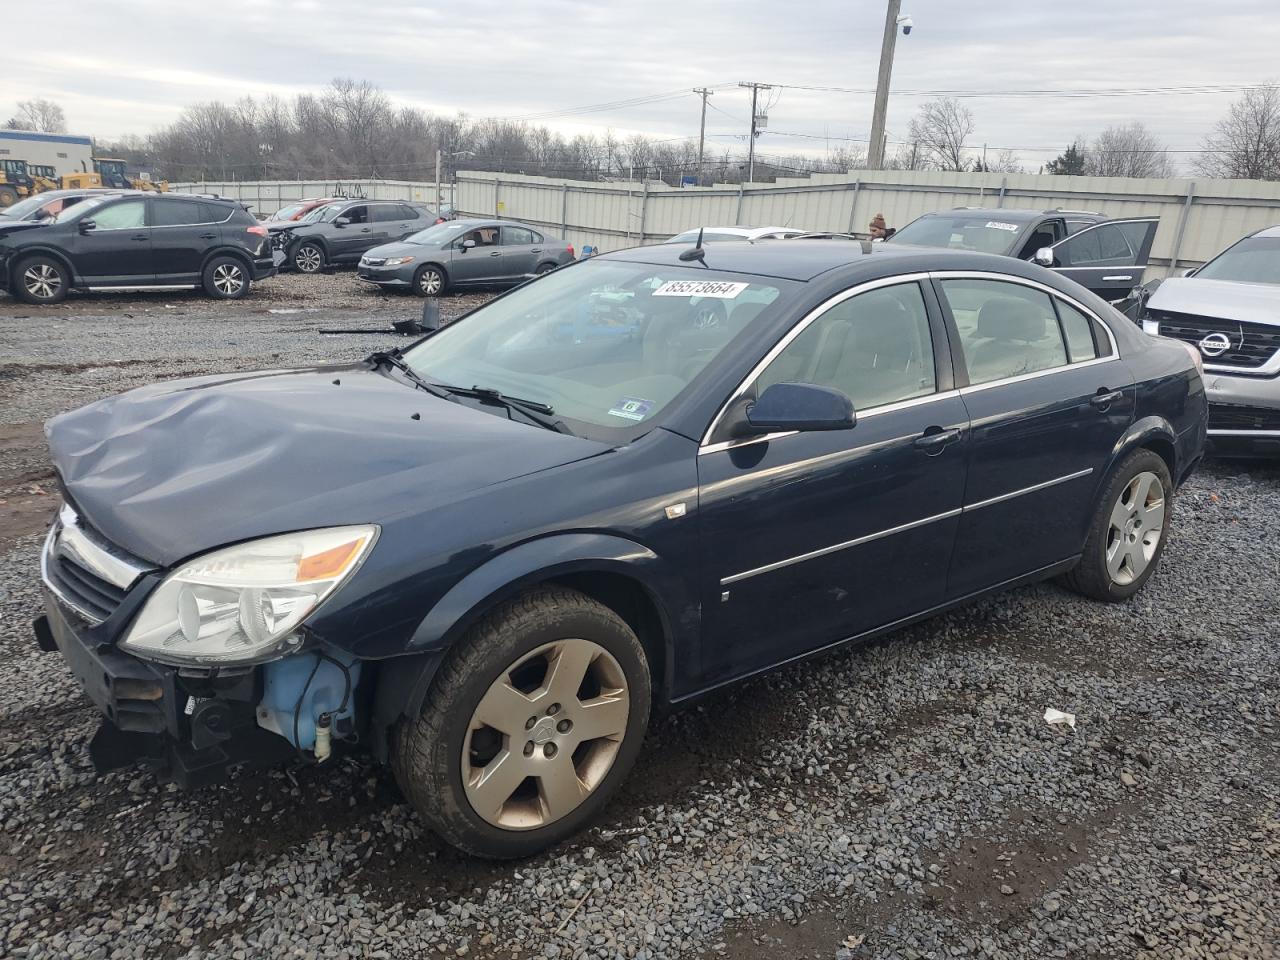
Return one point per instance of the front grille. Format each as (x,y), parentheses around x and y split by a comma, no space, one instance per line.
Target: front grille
(1251,344)
(82,588)
(1236,416)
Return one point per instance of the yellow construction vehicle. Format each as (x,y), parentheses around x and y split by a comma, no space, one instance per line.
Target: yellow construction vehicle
(15,182)
(111,173)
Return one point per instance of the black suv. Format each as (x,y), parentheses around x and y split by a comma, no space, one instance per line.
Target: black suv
(1106,256)
(131,240)
(343,232)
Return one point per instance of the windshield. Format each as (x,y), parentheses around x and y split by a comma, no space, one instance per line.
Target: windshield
(438,233)
(287,213)
(984,234)
(1252,260)
(607,344)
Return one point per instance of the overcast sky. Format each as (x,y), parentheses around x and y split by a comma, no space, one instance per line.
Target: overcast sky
(129,67)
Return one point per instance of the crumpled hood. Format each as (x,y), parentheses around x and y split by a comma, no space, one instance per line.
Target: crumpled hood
(1250,302)
(180,467)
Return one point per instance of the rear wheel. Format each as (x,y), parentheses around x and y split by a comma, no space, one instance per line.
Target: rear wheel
(429,281)
(41,280)
(8,196)
(533,721)
(308,258)
(544,268)
(1129,530)
(225,278)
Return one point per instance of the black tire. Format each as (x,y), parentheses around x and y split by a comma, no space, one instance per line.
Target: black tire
(41,280)
(428,752)
(1092,577)
(8,196)
(308,257)
(545,268)
(430,281)
(227,278)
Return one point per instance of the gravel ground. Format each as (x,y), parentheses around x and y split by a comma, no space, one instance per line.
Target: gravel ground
(903,800)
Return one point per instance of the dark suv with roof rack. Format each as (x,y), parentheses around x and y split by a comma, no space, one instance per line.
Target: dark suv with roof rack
(1105,256)
(343,232)
(131,240)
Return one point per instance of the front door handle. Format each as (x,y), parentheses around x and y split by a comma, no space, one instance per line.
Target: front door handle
(367,230)
(1104,398)
(935,440)
(536,250)
(140,236)
(496,253)
(1124,277)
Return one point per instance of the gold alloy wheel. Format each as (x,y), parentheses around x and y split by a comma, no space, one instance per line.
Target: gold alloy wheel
(545,734)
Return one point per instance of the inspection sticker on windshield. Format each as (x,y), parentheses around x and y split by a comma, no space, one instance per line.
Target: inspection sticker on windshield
(719,289)
(632,408)
(999,225)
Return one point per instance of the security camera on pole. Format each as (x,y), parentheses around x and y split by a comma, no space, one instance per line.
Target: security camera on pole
(893,19)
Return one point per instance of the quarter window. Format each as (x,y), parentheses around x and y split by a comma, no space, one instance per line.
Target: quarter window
(127,215)
(1079,333)
(875,347)
(1006,329)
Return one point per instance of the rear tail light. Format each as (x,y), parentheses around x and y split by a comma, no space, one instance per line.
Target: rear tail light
(257,231)
(572,254)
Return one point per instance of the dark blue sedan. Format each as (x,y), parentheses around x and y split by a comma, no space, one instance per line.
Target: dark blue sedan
(634,480)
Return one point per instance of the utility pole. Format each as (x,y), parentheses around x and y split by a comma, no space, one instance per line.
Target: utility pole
(702,128)
(875,149)
(755,118)
(439,155)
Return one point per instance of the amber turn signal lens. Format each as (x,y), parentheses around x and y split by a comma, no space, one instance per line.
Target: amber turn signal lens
(331,563)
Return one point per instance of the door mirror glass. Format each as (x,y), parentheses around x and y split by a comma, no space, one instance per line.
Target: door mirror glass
(1044,256)
(800,406)
(87,226)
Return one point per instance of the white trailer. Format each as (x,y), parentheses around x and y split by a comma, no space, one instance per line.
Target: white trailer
(62,151)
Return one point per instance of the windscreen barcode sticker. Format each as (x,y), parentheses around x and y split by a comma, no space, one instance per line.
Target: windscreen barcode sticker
(999,225)
(718,289)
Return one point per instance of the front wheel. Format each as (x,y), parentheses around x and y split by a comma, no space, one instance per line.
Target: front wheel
(532,722)
(225,278)
(429,282)
(1129,530)
(41,280)
(308,258)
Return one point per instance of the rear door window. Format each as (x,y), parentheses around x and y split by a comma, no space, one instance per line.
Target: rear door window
(176,213)
(1006,329)
(517,236)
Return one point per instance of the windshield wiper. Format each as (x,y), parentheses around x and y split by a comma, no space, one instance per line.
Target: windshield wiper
(542,414)
(392,359)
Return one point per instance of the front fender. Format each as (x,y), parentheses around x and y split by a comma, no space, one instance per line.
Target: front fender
(529,563)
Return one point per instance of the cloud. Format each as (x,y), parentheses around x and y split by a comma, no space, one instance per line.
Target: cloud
(130,70)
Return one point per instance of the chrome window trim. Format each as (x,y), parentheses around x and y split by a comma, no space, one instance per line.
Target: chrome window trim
(902,528)
(798,328)
(1035,374)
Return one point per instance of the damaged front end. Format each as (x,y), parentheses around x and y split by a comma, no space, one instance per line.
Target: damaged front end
(208,667)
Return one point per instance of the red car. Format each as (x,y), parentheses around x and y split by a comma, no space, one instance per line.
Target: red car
(300,208)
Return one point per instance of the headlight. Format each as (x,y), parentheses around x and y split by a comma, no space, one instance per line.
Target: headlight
(397,261)
(245,603)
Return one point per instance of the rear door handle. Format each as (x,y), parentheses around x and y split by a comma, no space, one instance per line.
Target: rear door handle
(367,230)
(935,440)
(208,236)
(140,236)
(1105,398)
(536,250)
(496,253)
(1125,277)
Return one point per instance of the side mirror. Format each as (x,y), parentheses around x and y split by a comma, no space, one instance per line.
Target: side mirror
(800,406)
(341,221)
(467,245)
(87,226)
(1043,256)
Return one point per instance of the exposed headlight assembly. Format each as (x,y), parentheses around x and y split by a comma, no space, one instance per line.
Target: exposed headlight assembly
(244,604)
(397,261)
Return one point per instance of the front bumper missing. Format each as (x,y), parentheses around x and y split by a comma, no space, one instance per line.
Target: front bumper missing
(154,713)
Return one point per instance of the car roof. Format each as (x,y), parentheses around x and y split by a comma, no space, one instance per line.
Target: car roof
(1010,214)
(1269,232)
(786,260)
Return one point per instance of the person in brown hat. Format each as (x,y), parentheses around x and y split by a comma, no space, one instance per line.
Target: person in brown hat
(878,229)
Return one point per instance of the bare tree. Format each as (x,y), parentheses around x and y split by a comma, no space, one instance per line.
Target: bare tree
(43,116)
(1245,144)
(941,128)
(1128,150)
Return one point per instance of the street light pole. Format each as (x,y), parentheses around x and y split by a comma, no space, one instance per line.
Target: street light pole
(875,149)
